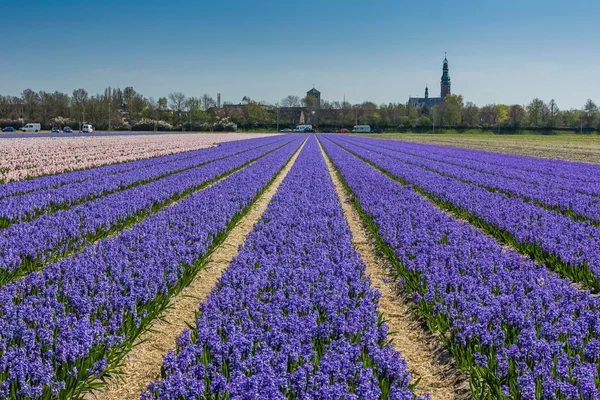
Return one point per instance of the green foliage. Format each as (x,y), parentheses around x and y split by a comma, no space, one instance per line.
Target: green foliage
(125,109)
(405,121)
(424,121)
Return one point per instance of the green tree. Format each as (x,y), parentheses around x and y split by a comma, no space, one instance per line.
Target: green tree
(470,115)
(163,104)
(309,102)
(590,114)
(571,119)
(535,109)
(451,110)
(411,113)
(366,111)
(255,114)
(376,119)
(405,122)
(424,121)
(502,113)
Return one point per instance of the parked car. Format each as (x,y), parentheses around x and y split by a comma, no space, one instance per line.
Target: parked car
(304,128)
(286,130)
(377,131)
(8,129)
(361,129)
(55,130)
(343,130)
(87,128)
(35,127)
(67,129)
(326,131)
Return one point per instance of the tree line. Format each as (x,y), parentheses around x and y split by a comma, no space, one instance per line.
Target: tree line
(126,109)
(116,109)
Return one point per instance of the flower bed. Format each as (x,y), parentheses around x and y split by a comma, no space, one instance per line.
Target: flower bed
(68,326)
(518,330)
(27,158)
(294,315)
(570,247)
(91,184)
(548,192)
(27,246)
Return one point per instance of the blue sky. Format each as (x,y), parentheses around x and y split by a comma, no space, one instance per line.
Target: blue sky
(383,51)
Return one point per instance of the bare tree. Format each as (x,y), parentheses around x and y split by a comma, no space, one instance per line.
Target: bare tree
(590,113)
(30,103)
(177,102)
(46,106)
(291,101)
(207,101)
(80,98)
(135,106)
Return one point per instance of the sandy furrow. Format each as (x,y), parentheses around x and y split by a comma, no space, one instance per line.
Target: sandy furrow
(427,360)
(142,364)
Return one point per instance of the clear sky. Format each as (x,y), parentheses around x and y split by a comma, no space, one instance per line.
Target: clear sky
(380,50)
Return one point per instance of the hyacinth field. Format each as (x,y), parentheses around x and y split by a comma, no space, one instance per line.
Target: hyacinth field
(28,158)
(496,258)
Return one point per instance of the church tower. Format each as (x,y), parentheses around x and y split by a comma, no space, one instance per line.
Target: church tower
(446,79)
(426,92)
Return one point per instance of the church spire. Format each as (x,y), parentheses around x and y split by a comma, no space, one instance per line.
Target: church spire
(426,92)
(446,85)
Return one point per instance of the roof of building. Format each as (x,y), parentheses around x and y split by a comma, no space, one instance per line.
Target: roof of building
(419,102)
(313,91)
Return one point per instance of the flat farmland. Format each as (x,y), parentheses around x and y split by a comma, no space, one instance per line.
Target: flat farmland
(302,267)
(583,148)
(22,158)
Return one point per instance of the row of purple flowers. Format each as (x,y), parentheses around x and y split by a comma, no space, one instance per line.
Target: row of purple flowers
(69,325)
(78,187)
(294,315)
(53,181)
(521,166)
(27,246)
(518,330)
(546,174)
(570,247)
(543,192)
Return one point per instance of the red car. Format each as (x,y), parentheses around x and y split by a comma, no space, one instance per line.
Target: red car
(343,130)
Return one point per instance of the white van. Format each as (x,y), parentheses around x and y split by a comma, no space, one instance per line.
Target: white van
(87,128)
(303,128)
(32,128)
(361,129)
